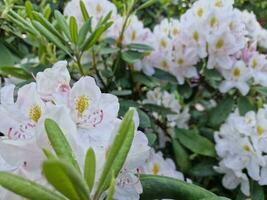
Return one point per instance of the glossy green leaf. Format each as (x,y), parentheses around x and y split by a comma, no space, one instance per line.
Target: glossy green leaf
(90,168)
(73,30)
(244,105)
(15,72)
(28,9)
(111,189)
(132,56)
(160,187)
(192,140)
(50,36)
(59,143)
(26,188)
(139,47)
(118,152)
(65,179)
(181,156)
(85,29)
(62,23)
(220,113)
(84,11)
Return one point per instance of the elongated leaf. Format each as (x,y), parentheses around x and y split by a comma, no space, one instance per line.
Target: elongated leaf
(117,152)
(51,37)
(192,140)
(147,4)
(160,187)
(65,179)
(40,18)
(26,188)
(220,113)
(61,21)
(15,72)
(90,168)
(28,8)
(159,109)
(86,28)
(111,189)
(132,56)
(60,143)
(181,156)
(244,105)
(73,30)
(94,37)
(261,90)
(84,11)
(140,47)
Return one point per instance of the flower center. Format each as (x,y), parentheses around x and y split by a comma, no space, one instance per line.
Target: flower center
(200,12)
(247,148)
(254,63)
(180,61)
(220,44)
(156,169)
(82,103)
(35,113)
(99,8)
(196,36)
(218,3)
(260,130)
(163,43)
(175,31)
(133,35)
(164,64)
(236,72)
(213,21)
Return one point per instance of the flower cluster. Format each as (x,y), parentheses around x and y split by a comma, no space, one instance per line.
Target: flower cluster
(211,30)
(241,147)
(181,115)
(87,117)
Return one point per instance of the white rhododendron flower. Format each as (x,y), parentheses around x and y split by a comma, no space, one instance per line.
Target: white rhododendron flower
(181,115)
(87,117)
(241,147)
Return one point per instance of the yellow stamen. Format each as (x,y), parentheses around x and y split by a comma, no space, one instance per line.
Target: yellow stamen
(196,36)
(220,44)
(254,63)
(236,72)
(133,36)
(260,130)
(82,104)
(156,169)
(213,21)
(200,12)
(247,148)
(163,43)
(99,8)
(35,113)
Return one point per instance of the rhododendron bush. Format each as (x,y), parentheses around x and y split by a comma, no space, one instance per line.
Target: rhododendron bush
(136,99)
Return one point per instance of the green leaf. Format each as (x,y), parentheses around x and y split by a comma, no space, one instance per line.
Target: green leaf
(94,37)
(49,154)
(26,188)
(219,114)
(65,179)
(50,36)
(257,191)
(63,25)
(47,25)
(28,9)
(192,140)
(73,30)
(90,168)
(160,187)
(181,156)
(244,105)
(165,76)
(118,152)
(111,189)
(262,90)
(15,72)
(151,138)
(139,47)
(144,119)
(203,169)
(132,56)
(147,4)
(158,109)
(6,57)
(84,11)
(47,12)
(86,28)
(60,143)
